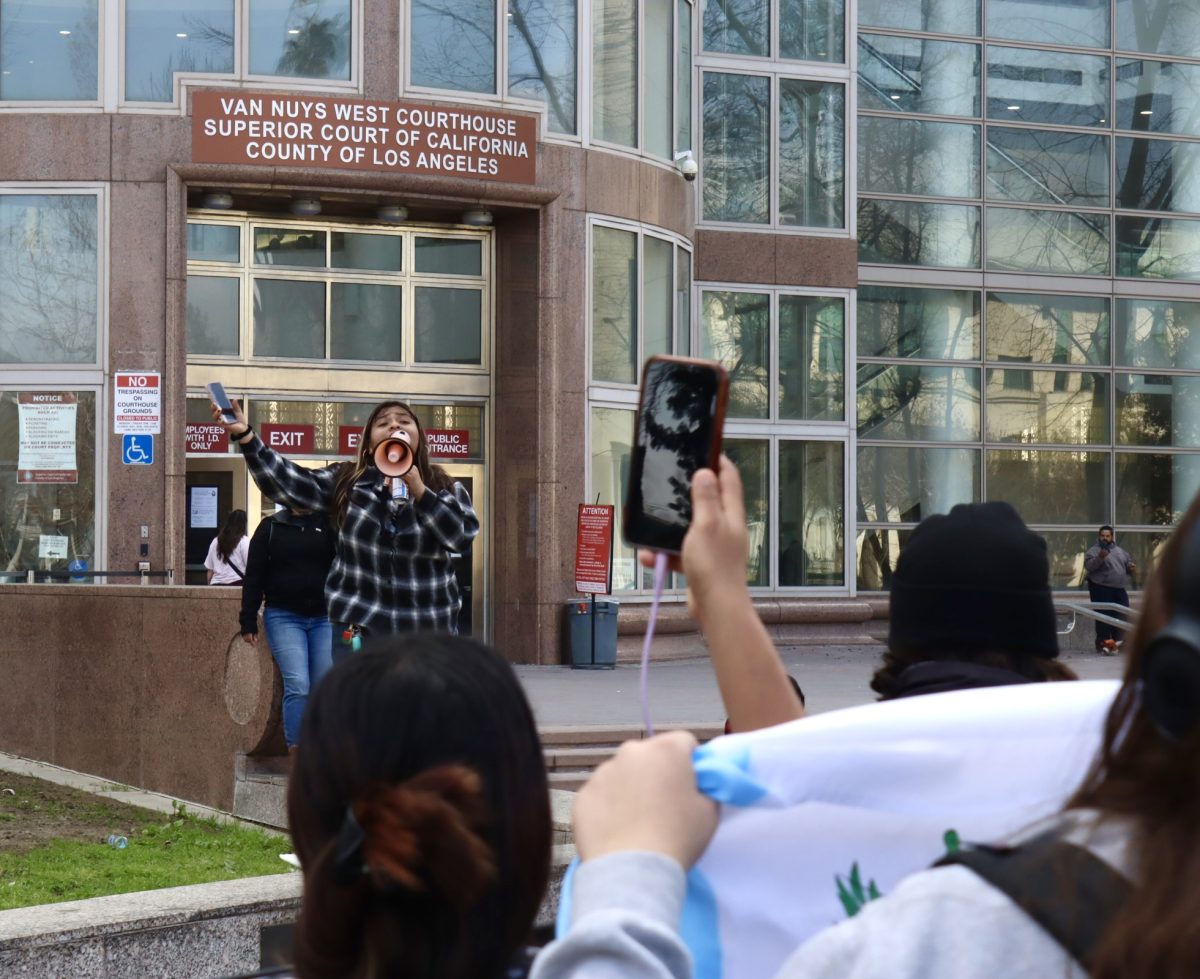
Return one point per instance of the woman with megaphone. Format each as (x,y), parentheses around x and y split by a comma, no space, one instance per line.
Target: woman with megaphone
(398,520)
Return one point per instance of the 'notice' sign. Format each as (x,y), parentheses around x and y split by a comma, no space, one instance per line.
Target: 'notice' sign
(355,134)
(593,549)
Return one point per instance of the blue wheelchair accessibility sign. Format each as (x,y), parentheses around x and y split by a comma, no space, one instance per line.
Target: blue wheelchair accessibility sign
(137,450)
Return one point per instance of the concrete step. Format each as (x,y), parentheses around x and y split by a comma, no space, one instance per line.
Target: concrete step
(577,759)
(568,781)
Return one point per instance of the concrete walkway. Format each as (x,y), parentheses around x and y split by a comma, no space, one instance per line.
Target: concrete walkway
(685,691)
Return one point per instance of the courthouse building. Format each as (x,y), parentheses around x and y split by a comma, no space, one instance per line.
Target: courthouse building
(949,250)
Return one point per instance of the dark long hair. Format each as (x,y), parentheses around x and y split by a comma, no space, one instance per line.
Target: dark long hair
(435,477)
(1154,784)
(429,741)
(231,533)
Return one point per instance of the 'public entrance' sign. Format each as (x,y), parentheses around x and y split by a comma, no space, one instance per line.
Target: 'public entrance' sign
(593,549)
(357,134)
(453,443)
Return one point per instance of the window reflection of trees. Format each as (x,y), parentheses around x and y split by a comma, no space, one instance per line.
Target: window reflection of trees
(48,279)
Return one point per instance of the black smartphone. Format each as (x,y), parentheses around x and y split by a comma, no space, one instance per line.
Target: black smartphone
(216,391)
(680,419)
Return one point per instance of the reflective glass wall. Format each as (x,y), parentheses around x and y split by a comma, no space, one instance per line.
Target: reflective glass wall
(1029,240)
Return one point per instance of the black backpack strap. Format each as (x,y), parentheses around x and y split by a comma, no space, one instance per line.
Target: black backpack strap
(1065,888)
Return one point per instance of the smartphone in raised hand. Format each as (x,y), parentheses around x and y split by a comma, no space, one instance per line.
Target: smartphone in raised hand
(680,420)
(216,391)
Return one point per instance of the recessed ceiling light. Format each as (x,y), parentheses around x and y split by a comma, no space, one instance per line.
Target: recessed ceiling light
(293,30)
(181,34)
(1014,108)
(895,98)
(65,33)
(1146,112)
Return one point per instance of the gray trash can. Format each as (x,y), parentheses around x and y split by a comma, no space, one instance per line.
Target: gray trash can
(579,634)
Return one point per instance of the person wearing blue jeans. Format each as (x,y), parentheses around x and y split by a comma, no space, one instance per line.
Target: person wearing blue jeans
(289,559)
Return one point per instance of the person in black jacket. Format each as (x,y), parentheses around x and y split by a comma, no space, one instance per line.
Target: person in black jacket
(289,560)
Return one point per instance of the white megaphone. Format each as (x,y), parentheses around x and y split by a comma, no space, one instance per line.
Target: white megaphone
(394,455)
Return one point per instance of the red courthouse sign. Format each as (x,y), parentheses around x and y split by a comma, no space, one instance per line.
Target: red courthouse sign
(453,443)
(205,437)
(593,549)
(289,438)
(349,437)
(356,134)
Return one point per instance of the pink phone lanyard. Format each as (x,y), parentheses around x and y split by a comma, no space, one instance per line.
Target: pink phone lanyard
(660,573)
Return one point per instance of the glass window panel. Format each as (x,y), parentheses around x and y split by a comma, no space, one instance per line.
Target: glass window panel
(214,242)
(611,447)
(1158,248)
(289,319)
(934,324)
(1158,97)
(812,159)
(614,71)
(1157,333)
(453,45)
(683,76)
(541,57)
(1044,167)
(959,17)
(449,326)
(48,278)
(752,459)
(812,357)
(658,260)
(910,74)
(1065,550)
(1050,87)
(812,30)
(213,314)
(166,36)
(1057,407)
(48,50)
(450,256)
(614,305)
(1047,329)
(683,302)
(1047,241)
(1079,23)
(1048,486)
(1158,409)
(370,253)
(912,156)
(737,165)
(29,511)
(905,484)
(876,552)
(736,330)
(659,68)
(1159,26)
(364,321)
(300,40)
(737,26)
(912,233)
(1158,175)
(812,529)
(1145,548)
(1154,488)
(302,247)
(918,403)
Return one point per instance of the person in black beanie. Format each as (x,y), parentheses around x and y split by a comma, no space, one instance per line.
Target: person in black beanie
(970,606)
(290,555)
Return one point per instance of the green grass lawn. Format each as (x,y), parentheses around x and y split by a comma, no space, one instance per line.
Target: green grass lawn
(68,858)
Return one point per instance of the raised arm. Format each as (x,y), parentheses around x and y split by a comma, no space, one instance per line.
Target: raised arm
(754,684)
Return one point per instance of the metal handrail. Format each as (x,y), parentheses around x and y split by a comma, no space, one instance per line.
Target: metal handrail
(33,576)
(1094,611)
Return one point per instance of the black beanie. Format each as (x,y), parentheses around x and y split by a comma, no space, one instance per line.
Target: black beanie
(975,579)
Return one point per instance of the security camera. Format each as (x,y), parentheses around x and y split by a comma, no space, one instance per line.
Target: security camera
(687,165)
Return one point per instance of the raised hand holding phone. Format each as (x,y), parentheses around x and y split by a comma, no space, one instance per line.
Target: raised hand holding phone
(680,420)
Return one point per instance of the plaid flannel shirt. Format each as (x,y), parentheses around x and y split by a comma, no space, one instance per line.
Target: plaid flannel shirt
(392,571)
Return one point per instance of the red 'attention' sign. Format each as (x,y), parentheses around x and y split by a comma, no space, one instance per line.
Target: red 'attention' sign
(593,549)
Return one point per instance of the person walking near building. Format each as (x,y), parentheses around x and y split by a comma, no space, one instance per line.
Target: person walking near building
(395,537)
(227,554)
(289,560)
(1108,569)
